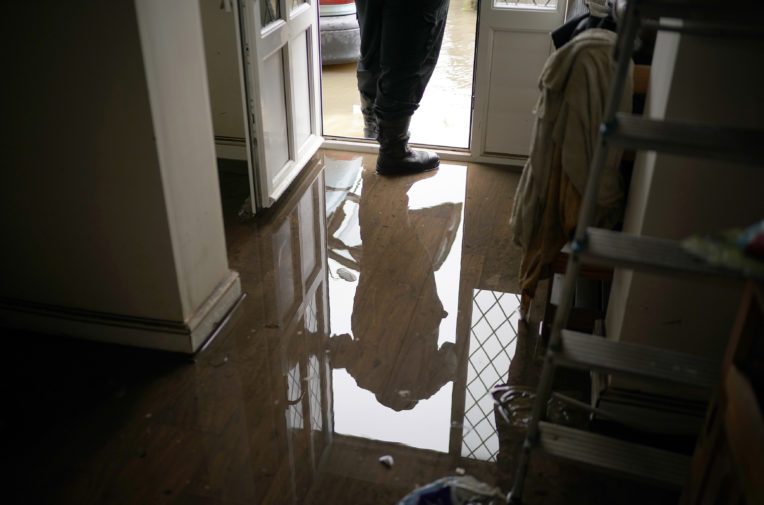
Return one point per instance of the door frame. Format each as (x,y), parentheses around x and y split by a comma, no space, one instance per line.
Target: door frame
(268,183)
(508,19)
(480,86)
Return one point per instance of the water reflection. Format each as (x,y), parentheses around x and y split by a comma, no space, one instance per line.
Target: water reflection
(493,337)
(393,349)
(381,344)
(393,319)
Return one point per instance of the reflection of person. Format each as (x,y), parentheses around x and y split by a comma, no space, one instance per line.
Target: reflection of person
(400,44)
(396,310)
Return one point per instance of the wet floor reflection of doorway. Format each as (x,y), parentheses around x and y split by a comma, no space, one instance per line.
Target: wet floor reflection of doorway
(443,118)
(493,338)
(393,321)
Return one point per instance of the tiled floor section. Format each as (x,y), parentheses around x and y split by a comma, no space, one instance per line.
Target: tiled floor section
(378,312)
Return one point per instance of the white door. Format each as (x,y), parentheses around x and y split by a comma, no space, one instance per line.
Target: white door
(281,61)
(513,44)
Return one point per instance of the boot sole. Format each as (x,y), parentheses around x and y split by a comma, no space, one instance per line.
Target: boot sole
(407,171)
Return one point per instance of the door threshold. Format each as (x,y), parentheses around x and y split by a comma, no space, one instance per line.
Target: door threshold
(366,146)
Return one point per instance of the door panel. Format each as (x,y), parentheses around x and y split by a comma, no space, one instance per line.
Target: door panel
(274,113)
(300,90)
(513,89)
(270,10)
(513,44)
(280,51)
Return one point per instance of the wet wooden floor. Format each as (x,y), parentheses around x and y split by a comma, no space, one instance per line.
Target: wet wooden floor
(379,311)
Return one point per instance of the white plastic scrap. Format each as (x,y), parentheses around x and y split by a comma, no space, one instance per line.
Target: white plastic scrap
(387,461)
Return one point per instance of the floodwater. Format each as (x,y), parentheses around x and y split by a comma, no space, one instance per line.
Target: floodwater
(380,314)
(443,117)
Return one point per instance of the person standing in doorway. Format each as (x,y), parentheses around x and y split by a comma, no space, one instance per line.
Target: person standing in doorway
(400,44)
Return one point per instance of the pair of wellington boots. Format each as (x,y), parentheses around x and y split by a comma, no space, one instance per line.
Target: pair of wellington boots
(395,156)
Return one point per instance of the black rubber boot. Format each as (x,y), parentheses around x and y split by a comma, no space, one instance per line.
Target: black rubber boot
(370,128)
(395,155)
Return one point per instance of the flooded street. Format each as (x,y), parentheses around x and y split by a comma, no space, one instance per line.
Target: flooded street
(443,117)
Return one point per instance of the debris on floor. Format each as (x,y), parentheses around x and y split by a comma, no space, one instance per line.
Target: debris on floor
(465,490)
(346,275)
(514,403)
(387,461)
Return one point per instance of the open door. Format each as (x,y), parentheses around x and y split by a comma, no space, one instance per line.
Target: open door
(281,67)
(513,45)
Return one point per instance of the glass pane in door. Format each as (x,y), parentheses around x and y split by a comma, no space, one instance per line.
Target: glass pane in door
(301,89)
(525,4)
(276,141)
(270,11)
(443,117)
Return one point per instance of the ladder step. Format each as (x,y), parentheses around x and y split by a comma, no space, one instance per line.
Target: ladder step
(581,350)
(618,249)
(740,145)
(627,458)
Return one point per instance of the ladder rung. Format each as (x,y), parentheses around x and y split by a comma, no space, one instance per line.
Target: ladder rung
(627,458)
(722,143)
(618,249)
(580,350)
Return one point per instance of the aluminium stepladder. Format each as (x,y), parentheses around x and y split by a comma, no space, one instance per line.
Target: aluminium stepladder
(614,249)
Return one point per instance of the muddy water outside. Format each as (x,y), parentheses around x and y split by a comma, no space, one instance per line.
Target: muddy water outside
(443,117)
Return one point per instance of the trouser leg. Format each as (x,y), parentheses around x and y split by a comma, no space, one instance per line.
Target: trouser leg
(412,34)
(400,44)
(369,14)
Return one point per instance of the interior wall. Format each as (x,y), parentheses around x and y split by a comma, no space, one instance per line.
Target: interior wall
(111,203)
(84,213)
(173,55)
(706,80)
(224,72)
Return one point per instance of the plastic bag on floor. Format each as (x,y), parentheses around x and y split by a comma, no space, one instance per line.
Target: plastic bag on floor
(462,490)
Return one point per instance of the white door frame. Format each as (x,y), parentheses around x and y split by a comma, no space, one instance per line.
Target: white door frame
(499,18)
(276,156)
(493,16)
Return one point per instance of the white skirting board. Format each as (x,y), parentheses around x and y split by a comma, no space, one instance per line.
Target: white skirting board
(231,149)
(177,336)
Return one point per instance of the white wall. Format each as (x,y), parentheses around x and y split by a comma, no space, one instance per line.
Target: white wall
(224,78)
(708,80)
(81,185)
(109,187)
(173,52)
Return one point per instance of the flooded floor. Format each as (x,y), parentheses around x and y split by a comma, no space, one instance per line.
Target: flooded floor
(443,117)
(379,313)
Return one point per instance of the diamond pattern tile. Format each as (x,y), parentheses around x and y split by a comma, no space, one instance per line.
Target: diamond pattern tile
(314,390)
(492,344)
(294,393)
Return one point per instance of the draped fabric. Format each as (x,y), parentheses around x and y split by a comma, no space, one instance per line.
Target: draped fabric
(574,86)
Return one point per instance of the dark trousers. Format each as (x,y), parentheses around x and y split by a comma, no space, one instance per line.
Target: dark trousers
(400,43)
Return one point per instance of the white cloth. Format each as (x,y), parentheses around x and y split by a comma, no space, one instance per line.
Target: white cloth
(574,87)
(599,8)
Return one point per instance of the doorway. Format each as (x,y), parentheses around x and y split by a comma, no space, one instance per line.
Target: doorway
(444,115)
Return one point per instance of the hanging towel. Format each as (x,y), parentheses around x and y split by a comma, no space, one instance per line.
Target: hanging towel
(574,85)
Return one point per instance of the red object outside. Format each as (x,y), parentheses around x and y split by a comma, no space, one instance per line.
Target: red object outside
(336,2)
